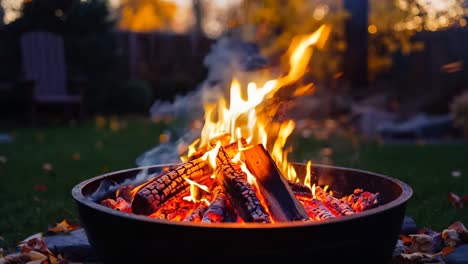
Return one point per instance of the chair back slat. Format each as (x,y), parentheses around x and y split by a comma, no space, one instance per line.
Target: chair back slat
(44,63)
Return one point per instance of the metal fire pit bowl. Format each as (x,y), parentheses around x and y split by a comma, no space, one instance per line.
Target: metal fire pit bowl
(367,237)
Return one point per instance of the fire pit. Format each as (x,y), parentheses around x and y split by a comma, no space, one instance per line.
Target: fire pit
(369,235)
(237,195)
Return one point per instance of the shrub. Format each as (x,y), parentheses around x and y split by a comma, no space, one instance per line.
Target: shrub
(133,96)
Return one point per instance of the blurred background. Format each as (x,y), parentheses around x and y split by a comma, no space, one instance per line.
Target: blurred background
(91,86)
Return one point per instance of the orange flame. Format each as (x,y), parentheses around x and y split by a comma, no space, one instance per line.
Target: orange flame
(195,194)
(242,118)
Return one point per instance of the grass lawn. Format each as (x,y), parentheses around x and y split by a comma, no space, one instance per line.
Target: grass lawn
(33,197)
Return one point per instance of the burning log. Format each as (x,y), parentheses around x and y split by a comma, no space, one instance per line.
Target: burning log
(282,203)
(216,210)
(337,205)
(240,192)
(300,189)
(224,139)
(159,189)
(125,192)
(316,210)
(123,205)
(361,200)
(109,202)
(119,204)
(197,214)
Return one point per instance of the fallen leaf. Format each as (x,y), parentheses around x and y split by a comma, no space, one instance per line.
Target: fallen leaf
(405,239)
(63,226)
(41,187)
(460,228)
(456,174)
(114,124)
(100,122)
(447,250)
(451,237)
(421,257)
(76,156)
(454,199)
(47,167)
(34,243)
(32,250)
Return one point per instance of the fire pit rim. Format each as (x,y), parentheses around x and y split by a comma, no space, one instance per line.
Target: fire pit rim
(78,196)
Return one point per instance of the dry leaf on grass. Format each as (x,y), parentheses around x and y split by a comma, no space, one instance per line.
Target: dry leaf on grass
(41,187)
(63,226)
(33,250)
(454,200)
(47,167)
(76,156)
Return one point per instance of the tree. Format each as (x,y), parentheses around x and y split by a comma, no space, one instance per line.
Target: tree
(146,15)
(273,24)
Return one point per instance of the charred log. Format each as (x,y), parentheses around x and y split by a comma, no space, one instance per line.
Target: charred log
(282,203)
(316,210)
(239,191)
(300,189)
(123,205)
(216,211)
(109,202)
(125,192)
(340,207)
(361,200)
(197,214)
(158,190)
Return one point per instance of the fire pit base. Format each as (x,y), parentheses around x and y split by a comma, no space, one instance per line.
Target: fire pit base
(367,237)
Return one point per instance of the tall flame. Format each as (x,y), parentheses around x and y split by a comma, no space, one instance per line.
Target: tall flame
(242,118)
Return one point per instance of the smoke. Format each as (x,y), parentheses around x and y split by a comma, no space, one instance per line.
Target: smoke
(228,57)
(107,187)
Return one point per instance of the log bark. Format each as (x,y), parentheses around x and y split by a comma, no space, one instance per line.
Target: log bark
(361,200)
(197,214)
(159,189)
(316,210)
(282,203)
(300,189)
(338,206)
(239,191)
(216,211)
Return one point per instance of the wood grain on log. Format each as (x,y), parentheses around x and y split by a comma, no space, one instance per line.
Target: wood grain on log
(282,203)
(239,191)
(316,210)
(159,189)
(339,207)
(361,200)
(216,211)
(197,214)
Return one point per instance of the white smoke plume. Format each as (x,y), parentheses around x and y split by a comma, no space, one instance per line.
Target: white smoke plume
(228,57)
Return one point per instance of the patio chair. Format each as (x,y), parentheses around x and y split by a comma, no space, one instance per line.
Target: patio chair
(44,67)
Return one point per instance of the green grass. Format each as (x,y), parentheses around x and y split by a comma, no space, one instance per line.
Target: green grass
(25,210)
(426,168)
